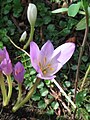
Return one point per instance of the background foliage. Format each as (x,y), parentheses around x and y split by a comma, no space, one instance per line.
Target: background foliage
(58,28)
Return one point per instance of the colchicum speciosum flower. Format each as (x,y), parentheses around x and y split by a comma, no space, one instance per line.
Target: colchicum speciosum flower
(5,68)
(48,61)
(23,36)
(5,65)
(19,72)
(32,14)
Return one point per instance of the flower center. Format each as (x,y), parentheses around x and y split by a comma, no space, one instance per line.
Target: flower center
(45,67)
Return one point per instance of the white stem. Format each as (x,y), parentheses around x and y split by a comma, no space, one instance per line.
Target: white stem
(62,91)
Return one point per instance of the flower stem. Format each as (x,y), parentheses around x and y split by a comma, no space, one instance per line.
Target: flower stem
(3,89)
(87,72)
(28,96)
(9,88)
(19,94)
(17,46)
(63,92)
(30,38)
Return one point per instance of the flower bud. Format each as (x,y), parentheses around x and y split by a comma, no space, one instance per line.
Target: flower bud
(6,65)
(18,72)
(32,14)
(23,36)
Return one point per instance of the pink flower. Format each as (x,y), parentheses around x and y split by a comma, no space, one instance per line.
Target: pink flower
(19,72)
(5,65)
(48,61)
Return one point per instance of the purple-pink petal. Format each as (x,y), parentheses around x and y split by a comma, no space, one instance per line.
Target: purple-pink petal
(47,49)
(6,65)
(18,72)
(67,50)
(34,55)
(46,77)
(2,55)
(6,53)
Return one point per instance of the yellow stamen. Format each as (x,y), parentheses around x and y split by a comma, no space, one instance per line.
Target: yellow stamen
(49,65)
(44,71)
(51,68)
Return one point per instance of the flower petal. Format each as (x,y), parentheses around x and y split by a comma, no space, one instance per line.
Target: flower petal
(18,72)
(6,54)
(32,14)
(47,49)
(55,65)
(34,55)
(46,77)
(67,51)
(6,66)
(2,55)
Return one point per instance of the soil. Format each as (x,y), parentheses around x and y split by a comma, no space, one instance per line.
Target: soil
(25,113)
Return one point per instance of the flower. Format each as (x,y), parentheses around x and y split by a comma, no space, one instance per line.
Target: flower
(23,36)
(48,61)
(32,14)
(2,55)
(18,72)
(6,65)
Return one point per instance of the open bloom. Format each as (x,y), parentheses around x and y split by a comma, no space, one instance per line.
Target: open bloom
(5,65)
(18,72)
(48,61)
(32,14)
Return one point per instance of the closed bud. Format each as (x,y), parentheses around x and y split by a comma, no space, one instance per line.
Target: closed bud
(32,14)
(23,36)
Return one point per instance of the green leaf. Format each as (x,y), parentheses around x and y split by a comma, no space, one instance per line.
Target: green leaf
(51,27)
(80,97)
(74,67)
(67,84)
(82,24)
(1,44)
(50,112)
(47,19)
(85,4)
(64,32)
(55,105)
(17,8)
(40,85)
(36,97)
(73,9)
(84,58)
(7,9)
(44,92)
(60,10)
(32,72)
(82,112)
(87,107)
(41,104)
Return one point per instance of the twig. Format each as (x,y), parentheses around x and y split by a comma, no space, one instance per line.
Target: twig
(79,59)
(63,92)
(81,53)
(17,46)
(15,22)
(64,105)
